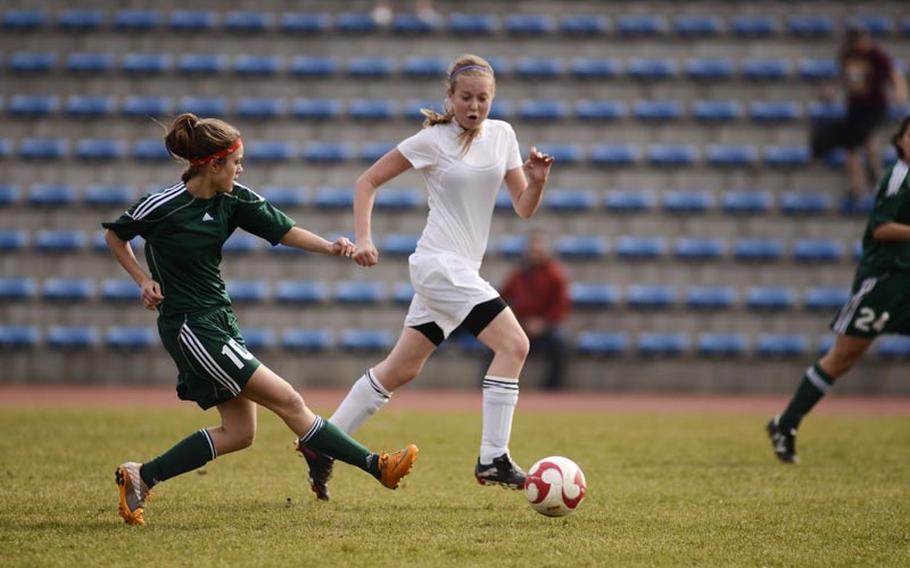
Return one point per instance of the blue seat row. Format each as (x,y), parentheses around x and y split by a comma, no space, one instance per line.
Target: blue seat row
(533,25)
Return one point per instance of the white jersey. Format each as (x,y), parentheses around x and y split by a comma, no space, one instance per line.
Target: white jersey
(461,189)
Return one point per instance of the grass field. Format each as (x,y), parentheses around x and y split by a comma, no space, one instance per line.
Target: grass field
(662,490)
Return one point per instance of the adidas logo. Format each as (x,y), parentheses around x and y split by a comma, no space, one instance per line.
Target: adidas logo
(207,217)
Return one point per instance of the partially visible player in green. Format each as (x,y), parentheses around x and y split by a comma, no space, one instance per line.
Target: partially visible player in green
(880,302)
(184,227)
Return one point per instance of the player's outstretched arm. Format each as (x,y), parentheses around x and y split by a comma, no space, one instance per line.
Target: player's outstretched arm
(384,169)
(526,183)
(303,239)
(151,291)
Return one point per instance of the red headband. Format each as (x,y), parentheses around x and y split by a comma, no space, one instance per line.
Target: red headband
(217,155)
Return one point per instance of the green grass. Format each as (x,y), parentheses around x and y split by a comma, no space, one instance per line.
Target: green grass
(662,490)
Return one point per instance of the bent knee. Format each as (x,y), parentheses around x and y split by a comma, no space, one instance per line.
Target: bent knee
(517,347)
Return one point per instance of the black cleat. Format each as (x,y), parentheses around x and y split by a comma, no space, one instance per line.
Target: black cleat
(320,470)
(503,471)
(783,441)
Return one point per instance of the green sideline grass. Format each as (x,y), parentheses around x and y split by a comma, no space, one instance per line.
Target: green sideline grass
(662,490)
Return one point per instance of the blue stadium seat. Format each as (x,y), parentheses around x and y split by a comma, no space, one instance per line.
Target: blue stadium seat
(271,151)
(629,201)
(355,23)
(81,62)
(584,25)
(421,66)
(810,25)
(51,195)
(595,67)
(662,344)
(59,240)
(501,110)
(334,198)
(372,109)
(72,337)
(33,106)
(746,202)
(770,298)
(894,347)
(786,156)
(565,154)
(259,338)
(100,149)
(536,68)
(241,242)
(16,288)
(192,20)
(368,340)
(146,63)
(398,199)
(722,344)
(12,240)
(689,248)
(775,111)
(359,292)
(697,26)
(651,68)
(546,110)
(603,344)
(826,343)
(590,295)
(876,24)
(301,292)
(316,109)
(615,154)
(782,345)
(412,108)
(631,247)
(120,290)
(6,150)
(796,203)
(80,20)
(32,62)
(672,154)
(820,298)
(716,111)
(201,63)
(288,197)
(24,19)
(570,200)
(660,111)
(306,340)
(689,201)
(402,293)
(512,246)
(600,110)
(758,249)
(709,69)
(754,26)
(472,24)
(651,296)
(305,23)
(581,246)
(826,111)
(641,25)
(137,20)
(260,107)
(818,250)
(130,338)
(247,291)
(733,155)
(43,148)
(766,69)
(327,152)
(710,297)
(815,69)
(248,21)
(19,336)
(370,67)
(258,65)
(399,244)
(150,150)
(413,25)
(82,106)
(313,67)
(530,25)
(69,289)
(372,151)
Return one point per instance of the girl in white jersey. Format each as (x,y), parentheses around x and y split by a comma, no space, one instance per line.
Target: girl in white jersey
(464,158)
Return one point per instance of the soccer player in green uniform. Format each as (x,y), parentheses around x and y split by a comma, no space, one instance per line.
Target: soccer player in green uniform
(184,227)
(880,302)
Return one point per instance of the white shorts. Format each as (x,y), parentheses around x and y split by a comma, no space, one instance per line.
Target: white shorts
(446,289)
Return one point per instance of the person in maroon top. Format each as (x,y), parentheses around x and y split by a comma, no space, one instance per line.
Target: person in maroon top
(538,293)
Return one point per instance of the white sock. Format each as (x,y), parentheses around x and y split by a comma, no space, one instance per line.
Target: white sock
(500,395)
(363,400)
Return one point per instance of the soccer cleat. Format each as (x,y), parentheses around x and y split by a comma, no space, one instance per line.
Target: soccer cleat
(395,466)
(783,441)
(133,493)
(320,470)
(503,471)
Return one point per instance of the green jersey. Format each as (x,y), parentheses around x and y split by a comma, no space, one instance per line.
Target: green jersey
(183,239)
(892,205)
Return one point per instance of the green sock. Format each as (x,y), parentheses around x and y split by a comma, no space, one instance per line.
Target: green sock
(815,384)
(192,452)
(330,440)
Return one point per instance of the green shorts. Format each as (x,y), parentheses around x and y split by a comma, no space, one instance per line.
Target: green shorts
(880,304)
(213,364)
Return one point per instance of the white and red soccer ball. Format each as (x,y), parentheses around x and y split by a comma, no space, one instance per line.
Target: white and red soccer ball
(555,486)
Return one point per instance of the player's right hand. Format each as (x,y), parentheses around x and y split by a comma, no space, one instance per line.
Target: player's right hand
(367,254)
(151,295)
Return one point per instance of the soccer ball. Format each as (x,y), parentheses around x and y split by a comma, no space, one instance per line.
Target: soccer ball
(555,486)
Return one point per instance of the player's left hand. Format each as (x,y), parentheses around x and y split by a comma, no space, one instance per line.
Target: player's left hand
(537,166)
(343,247)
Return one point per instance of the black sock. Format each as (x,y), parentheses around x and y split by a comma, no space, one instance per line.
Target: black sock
(192,452)
(815,384)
